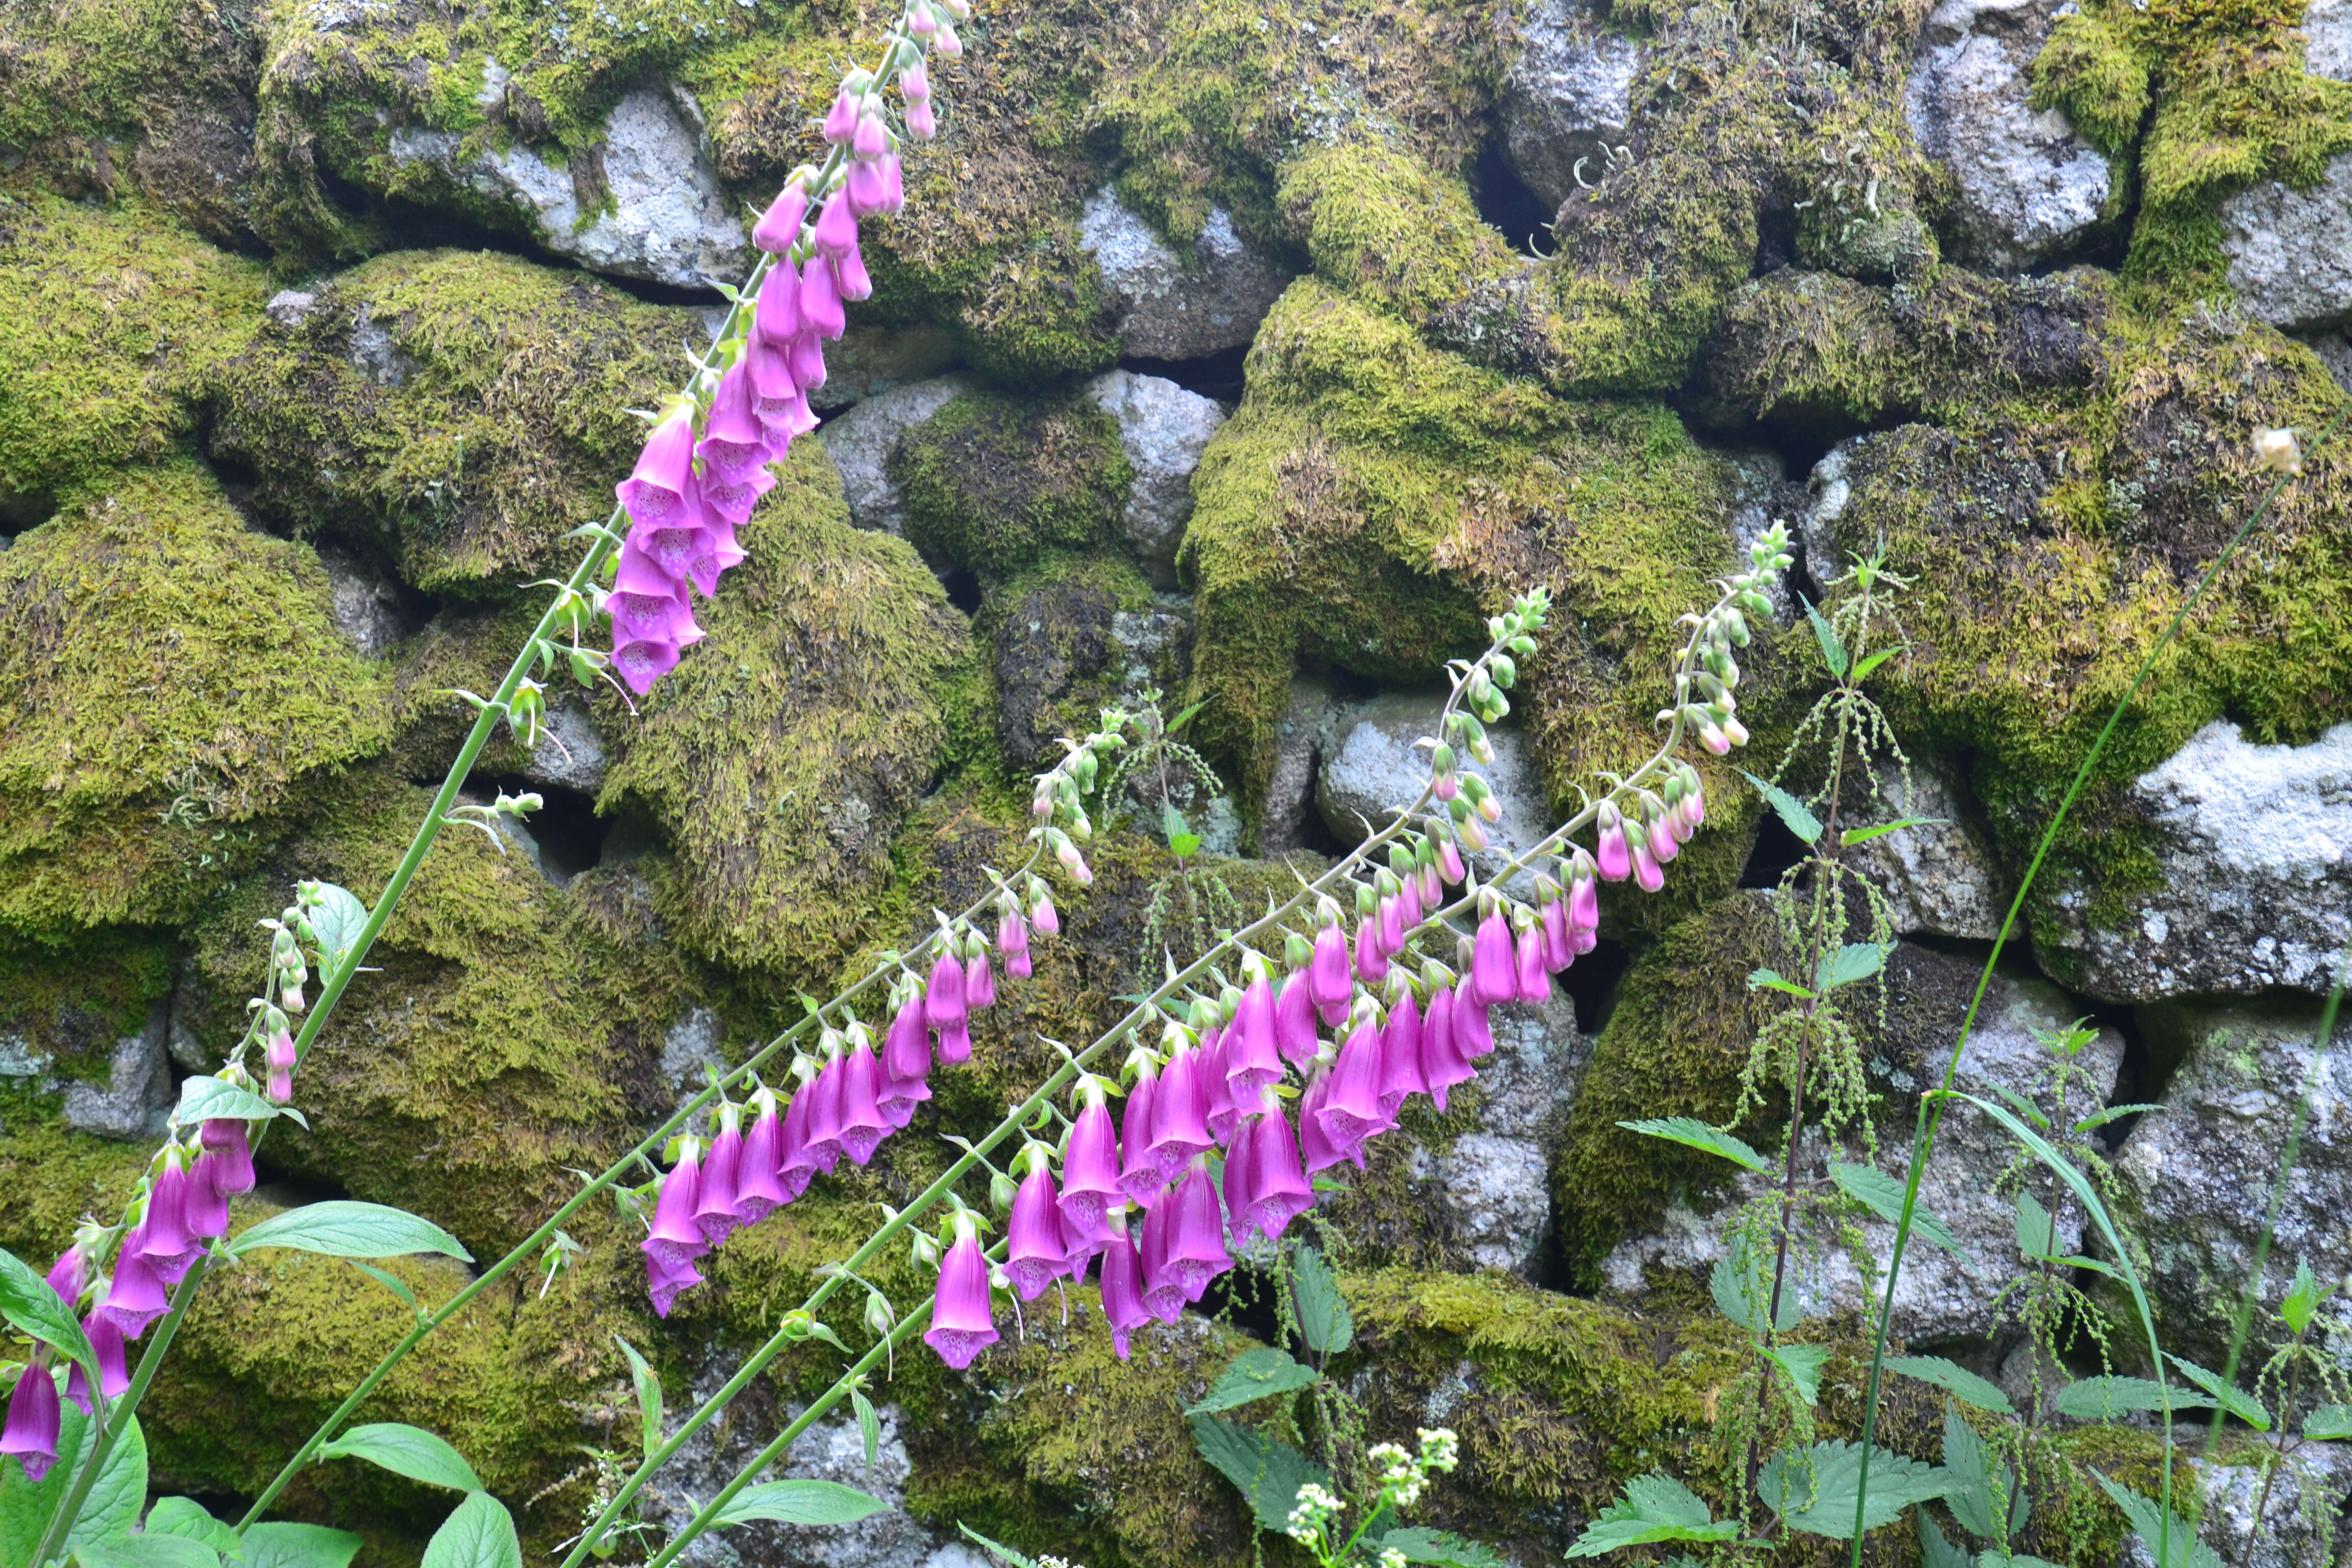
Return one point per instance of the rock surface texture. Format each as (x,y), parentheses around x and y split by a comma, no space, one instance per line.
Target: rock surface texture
(1567,98)
(1167,310)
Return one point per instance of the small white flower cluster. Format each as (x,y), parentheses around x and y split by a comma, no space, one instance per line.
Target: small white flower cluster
(1398,1473)
(1391,1557)
(1440,1448)
(1315,1508)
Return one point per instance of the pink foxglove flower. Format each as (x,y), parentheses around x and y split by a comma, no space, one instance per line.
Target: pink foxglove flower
(278,1060)
(67,1275)
(795,1168)
(1392,924)
(1012,942)
(31,1432)
(1443,1066)
(1122,1289)
(1293,1020)
(1371,959)
(1646,873)
(666,1285)
(1613,856)
(1253,1061)
(780,226)
(1035,1253)
(1196,1245)
(1318,1150)
(715,1194)
(821,301)
(1090,1184)
(1278,1190)
(862,1125)
(1401,1075)
(1584,903)
(1474,1032)
(203,1209)
(978,979)
(1534,981)
(841,119)
(113,1363)
(1163,1288)
(134,1297)
(944,998)
(677,1240)
(962,1316)
(1664,845)
(227,1158)
(733,441)
(837,234)
(1179,1125)
(1139,1167)
(776,318)
(805,357)
(1328,980)
(1450,868)
(162,1238)
(1491,976)
(825,1147)
(758,1192)
(922,122)
(655,494)
(1044,918)
(1220,1108)
(1350,1111)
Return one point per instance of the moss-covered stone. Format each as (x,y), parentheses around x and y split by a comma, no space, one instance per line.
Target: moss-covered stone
(994,481)
(108,324)
(1060,652)
(459,410)
(61,1012)
(171,681)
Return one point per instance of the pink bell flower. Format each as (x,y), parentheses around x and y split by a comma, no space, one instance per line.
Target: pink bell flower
(1474,1032)
(113,1363)
(825,1147)
(1180,1126)
(1664,845)
(1140,1175)
(655,493)
(1443,1066)
(1491,978)
(1401,1075)
(1372,958)
(841,119)
(1317,1149)
(1646,874)
(836,233)
(1559,942)
(963,1314)
(1044,918)
(979,981)
(134,1297)
(1613,856)
(944,998)
(1293,1020)
(665,1285)
(676,1239)
(1279,1191)
(1090,1184)
(715,1194)
(805,356)
(162,1238)
(67,1275)
(795,1168)
(1350,1111)
(1220,1108)
(732,440)
(758,1192)
(776,318)
(821,309)
(227,1158)
(780,226)
(1328,980)
(1122,1289)
(1533,980)
(863,1126)
(906,1046)
(1450,868)
(1035,1253)
(1253,1061)
(1196,1244)
(278,1060)
(34,1417)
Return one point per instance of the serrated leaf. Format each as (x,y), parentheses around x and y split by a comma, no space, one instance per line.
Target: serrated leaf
(1742,1289)
(27,1302)
(342,1228)
(1882,1195)
(1854,836)
(1862,671)
(2036,1230)
(208,1099)
(1832,649)
(2328,1423)
(284,1545)
(1936,1551)
(1652,1508)
(1978,1490)
(336,917)
(117,1495)
(1416,1544)
(799,1501)
(1953,1379)
(2179,1548)
(869,1426)
(2114,1112)
(479,1533)
(2105,1398)
(1003,1553)
(389,1281)
(1803,1365)
(1794,812)
(1185,846)
(1269,1472)
(1261,1372)
(1817,1490)
(1855,961)
(1772,980)
(2236,1401)
(1697,1134)
(147,1551)
(648,1387)
(405,1450)
(186,1516)
(1324,1320)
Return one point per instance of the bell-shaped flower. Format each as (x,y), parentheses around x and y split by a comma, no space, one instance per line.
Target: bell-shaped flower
(780,226)
(1253,1058)
(1664,845)
(1401,1075)
(1140,1175)
(1220,1109)
(134,1295)
(805,357)
(1474,1032)
(915,82)
(1647,876)
(733,442)
(1491,976)
(1350,1111)
(226,1160)
(898,1097)
(821,301)
(825,1147)
(955,1043)
(922,122)
(278,1060)
(944,999)
(162,1238)
(716,1193)
(1392,922)
(1122,1289)
(862,189)
(203,1210)
(1090,1184)
(978,979)
(795,1166)
(962,1315)
(907,1045)
(1613,854)
(758,1192)
(639,664)
(849,276)
(776,315)
(676,1239)
(1293,1020)
(862,1125)
(665,1285)
(1318,1151)
(836,232)
(1034,1252)
(1277,1190)
(67,1275)
(1328,979)
(31,1431)
(1196,1244)
(1443,1066)
(1552,929)
(1527,968)
(1164,1289)
(648,604)
(1371,959)
(1449,865)
(113,1363)
(1179,1114)
(655,493)
(1043,918)
(841,119)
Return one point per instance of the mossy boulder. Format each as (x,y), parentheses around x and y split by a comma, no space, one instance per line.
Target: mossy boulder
(109,322)
(1066,639)
(460,411)
(173,686)
(995,480)
(62,1011)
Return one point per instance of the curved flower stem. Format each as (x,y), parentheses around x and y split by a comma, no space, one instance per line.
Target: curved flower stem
(1931,1114)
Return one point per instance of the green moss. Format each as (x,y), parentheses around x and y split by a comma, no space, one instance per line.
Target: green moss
(1381,224)
(780,756)
(1050,637)
(61,1012)
(992,482)
(171,681)
(109,322)
(462,410)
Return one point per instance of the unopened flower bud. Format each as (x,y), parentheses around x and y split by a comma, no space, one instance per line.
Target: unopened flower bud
(1001,1192)
(1506,673)
(947,43)
(879,1318)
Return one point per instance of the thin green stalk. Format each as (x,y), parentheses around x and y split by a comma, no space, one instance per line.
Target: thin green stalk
(1931,1113)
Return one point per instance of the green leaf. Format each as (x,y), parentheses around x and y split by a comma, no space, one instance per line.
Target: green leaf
(1652,1508)
(207,1099)
(1954,1379)
(1003,1553)
(869,1426)
(2303,1298)
(2023,1106)
(1855,961)
(342,1228)
(1697,1134)
(1937,1551)
(1862,671)
(1833,650)
(185,1516)
(1854,836)
(799,1502)
(2036,1231)
(1803,1365)
(282,1545)
(2101,1118)
(479,1533)
(28,1303)
(2105,1398)
(25,1505)
(1324,1320)
(2328,1423)
(147,1551)
(405,1450)
(1800,820)
(1816,1489)
(2180,1547)
(391,1282)
(649,1395)
(1415,1544)
(2236,1401)
(1259,1372)
(1172,825)
(1268,1472)
(1743,1291)
(1185,846)
(116,1495)
(1771,980)
(336,917)
(1882,1195)
(1979,1490)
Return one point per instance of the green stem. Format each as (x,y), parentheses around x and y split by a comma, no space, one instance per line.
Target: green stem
(1931,1114)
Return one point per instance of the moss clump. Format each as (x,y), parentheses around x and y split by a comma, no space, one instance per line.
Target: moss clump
(992,482)
(109,322)
(1052,635)
(2232,105)
(171,679)
(460,410)
(779,757)
(62,1012)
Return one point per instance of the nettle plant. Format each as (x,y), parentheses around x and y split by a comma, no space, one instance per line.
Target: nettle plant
(1771,1475)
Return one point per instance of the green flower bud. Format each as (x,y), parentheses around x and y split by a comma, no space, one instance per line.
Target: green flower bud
(1506,672)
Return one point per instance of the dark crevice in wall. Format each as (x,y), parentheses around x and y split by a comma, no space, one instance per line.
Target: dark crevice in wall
(1508,203)
(1591,983)
(569,834)
(1217,376)
(1777,849)
(22,510)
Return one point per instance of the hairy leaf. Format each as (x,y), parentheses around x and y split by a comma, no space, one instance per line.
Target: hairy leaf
(1324,1320)
(336,919)
(479,1533)
(1794,812)
(405,1450)
(1855,961)
(1936,1551)
(1803,1365)
(2168,1539)
(1954,1379)
(799,1502)
(1817,1490)
(2328,1423)
(341,1228)
(1697,1134)
(1980,1490)
(1415,1544)
(1259,1372)
(1772,980)
(1882,1195)
(1832,648)
(2236,1401)
(1652,1508)
(2105,1398)
(283,1545)
(1268,1472)
(1743,1292)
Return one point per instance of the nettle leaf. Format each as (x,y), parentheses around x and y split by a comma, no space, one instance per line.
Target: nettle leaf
(283,1545)
(649,1395)
(1652,1508)
(1954,1379)
(185,1516)
(1415,1544)
(1697,1134)
(1854,836)
(147,1551)
(342,1228)
(1817,1490)
(208,1099)
(479,1533)
(1798,820)
(2114,1112)
(2328,1423)
(1324,1320)
(2036,1230)
(1003,1553)
(1803,1365)
(1269,1472)
(336,917)
(1832,648)
(2105,1398)
(1259,1372)
(799,1502)
(1772,980)
(2180,1549)
(1742,1289)
(1882,1195)
(2236,1401)
(1937,1551)
(1854,961)
(1979,1490)
(405,1450)
(31,1307)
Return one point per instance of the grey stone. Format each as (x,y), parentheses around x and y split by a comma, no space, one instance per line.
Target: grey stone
(2290,251)
(1370,768)
(1938,877)
(2254,847)
(2327,39)
(688,1047)
(861,441)
(2299,1518)
(869,360)
(2029,187)
(1290,789)
(571,755)
(137,1098)
(2335,351)
(1939,1299)
(2195,1178)
(375,353)
(365,602)
(1163,429)
(289,308)
(187,1049)
(1165,310)
(1566,96)
(1817,524)
(1494,1183)
(1762,495)
(665,220)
